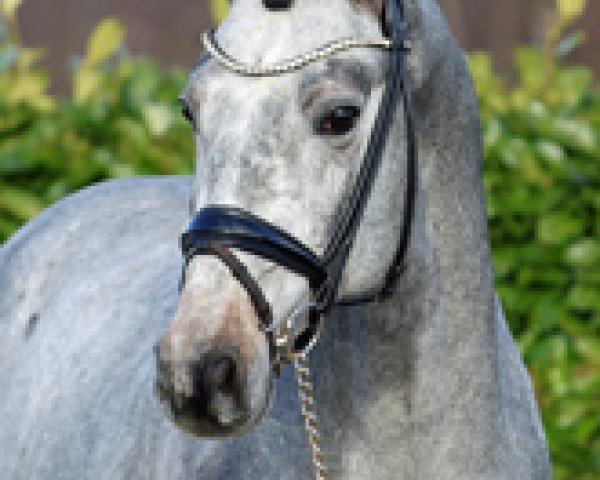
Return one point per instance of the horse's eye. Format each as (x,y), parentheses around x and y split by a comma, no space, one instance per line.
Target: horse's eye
(186,111)
(338,121)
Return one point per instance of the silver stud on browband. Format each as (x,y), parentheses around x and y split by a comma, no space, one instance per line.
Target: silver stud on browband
(329,49)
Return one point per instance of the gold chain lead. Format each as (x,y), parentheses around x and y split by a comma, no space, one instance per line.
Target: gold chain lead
(309,411)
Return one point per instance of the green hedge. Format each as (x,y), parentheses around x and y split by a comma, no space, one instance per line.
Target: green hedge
(541,175)
(542,179)
(123,120)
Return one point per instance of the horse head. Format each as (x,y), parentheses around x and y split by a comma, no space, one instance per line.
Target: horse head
(286,148)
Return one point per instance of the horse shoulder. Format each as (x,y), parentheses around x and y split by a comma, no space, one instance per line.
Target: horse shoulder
(86,288)
(79,232)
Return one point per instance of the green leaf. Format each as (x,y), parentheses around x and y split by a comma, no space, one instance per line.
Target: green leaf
(10,7)
(582,297)
(569,10)
(159,118)
(31,87)
(558,228)
(480,66)
(219,9)
(589,347)
(584,253)
(104,42)
(535,114)
(492,133)
(552,152)
(87,82)
(530,63)
(570,323)
(574,84)
(19,203)
(514,151)
(574,133)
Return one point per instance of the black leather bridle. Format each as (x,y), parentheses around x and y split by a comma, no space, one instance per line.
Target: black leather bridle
(217,229)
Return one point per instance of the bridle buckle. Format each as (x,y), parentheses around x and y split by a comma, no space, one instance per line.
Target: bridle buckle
(284,340)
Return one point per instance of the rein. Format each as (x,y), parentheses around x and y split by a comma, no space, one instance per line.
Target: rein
(216,229)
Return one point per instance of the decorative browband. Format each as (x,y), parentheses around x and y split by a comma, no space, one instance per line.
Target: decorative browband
(328,50)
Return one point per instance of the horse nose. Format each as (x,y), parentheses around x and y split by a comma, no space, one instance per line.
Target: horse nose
(219,387)
(220,373)
(209,391)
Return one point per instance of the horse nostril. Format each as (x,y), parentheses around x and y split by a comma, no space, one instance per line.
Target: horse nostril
(220,373)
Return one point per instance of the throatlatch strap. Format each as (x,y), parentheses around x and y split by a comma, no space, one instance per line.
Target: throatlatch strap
(345,231)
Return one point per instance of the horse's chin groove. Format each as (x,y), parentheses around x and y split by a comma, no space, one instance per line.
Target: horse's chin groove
(189,422)
(191,425)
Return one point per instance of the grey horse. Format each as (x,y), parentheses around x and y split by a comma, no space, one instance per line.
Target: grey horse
(427,385)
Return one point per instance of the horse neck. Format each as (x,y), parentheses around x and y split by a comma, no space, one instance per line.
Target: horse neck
(380,369)
(422,366)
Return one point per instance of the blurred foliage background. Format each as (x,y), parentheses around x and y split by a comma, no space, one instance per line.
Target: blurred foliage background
(542,147)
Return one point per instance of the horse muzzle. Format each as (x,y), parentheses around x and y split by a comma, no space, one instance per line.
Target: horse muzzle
(210,397)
